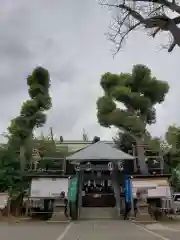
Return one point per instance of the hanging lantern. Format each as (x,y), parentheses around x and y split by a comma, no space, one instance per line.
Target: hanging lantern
(88,166)
(110,166)
(120,166)
(77,167)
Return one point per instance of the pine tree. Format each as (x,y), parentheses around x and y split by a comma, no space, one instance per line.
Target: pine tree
(129,104)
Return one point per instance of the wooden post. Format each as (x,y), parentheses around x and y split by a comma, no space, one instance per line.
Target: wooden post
(134,155)
(64,165)
(132,198)
(116,188)
(161,164)
(9,203)
(27,206)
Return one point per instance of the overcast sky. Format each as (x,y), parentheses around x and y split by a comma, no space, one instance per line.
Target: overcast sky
(67,37)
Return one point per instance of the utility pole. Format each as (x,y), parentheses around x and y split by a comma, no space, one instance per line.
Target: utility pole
(85,136)
(51,134)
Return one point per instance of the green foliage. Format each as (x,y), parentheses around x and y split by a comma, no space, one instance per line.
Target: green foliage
(138,92)
(129,104)
(31,113)
(125,142)
(20,133)
(176,178)
(173,137)
(10,176)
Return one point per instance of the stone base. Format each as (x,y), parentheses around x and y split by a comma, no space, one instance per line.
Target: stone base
(58,214)
(143,213)
(143,209)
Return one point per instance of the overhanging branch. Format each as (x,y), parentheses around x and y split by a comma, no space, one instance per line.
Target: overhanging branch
(159,22)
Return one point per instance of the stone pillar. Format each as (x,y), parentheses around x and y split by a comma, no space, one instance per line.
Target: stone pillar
(116,188)
(142,204)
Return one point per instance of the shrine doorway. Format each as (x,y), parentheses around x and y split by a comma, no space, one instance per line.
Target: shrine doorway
(98,193)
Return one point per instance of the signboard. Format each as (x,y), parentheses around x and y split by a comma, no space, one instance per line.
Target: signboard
(3,200)
(48,187)
(73,188)
(155,187)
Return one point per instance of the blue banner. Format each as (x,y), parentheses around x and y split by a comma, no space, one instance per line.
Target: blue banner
(128,190)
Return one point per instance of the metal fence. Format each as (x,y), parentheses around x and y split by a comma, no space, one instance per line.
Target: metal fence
(47,209)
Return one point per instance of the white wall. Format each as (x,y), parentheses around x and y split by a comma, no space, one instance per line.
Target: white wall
(48,187)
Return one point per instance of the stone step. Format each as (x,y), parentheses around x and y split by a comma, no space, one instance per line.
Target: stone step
(98,213)
(143,213)
(143,217)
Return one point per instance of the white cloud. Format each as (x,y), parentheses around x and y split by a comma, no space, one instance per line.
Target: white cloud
(67,37)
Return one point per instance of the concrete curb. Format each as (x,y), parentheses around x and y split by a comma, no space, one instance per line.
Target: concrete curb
(145,222)
(57,221)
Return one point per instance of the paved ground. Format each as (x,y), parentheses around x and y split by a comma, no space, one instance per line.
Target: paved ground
(31,231)
(87,230)
(165,231)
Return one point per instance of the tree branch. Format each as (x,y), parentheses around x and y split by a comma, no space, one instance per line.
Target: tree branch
(160,22)
(126,34)
(171,5)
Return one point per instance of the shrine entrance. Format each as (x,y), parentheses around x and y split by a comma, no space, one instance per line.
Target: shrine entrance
(97,190)
(100,169)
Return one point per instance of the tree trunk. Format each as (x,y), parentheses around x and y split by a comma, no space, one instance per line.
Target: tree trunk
(140,153)
(19,204)
(141,157)
(19,200)
(27,207)
(9,206)
(22,158)
(116,189)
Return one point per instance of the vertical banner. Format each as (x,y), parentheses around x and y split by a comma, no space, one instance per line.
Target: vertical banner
(128,190)
(72,193)
(73,197)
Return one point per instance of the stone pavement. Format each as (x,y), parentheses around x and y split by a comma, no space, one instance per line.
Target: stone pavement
(109,229)
(87,230)
(168,231)
(31,231)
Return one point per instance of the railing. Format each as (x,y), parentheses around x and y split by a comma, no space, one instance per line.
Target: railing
(45,167)
(41,170)
(44,174)
(167,204)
